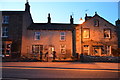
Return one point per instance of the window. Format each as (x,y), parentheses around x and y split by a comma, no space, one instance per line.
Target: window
(106,33)
(37,48)
(86,49)
(8,45)
(86,33)
(37,35)
(4,31)
(96,23)
(96,50)
(108,49)
(62,36)
(5,20)
(63,49)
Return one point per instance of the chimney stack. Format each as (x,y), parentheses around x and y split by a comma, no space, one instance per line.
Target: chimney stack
(71,20)
(49,18)
(27,6)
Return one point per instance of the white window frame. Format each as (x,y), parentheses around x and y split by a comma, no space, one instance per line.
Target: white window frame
(40,48)
(84,30)
(62,36)
(36,35)
(4,32)
(109,35)
(5,20)
(62,48)
(86,49)
(108,48)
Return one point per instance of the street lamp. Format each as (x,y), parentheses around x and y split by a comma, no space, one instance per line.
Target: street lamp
(81,20)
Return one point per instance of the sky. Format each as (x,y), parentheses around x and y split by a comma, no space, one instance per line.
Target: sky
(60,11)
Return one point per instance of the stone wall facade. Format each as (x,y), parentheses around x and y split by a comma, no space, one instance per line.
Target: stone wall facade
(48,40)
(93,39)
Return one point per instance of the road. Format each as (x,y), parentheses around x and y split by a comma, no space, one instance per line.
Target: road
(24,70)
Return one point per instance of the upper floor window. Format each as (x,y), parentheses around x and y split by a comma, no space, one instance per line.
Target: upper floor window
(107,33)
(96,23)
(4,31)
(62,36)
(37,36)
(86,33)
(5,20)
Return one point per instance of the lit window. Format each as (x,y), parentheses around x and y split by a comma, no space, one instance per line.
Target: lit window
(96,23)
(62,36)
(106,33)
(86,33)
(5,20)
(108,49)
(4,31)
(37,48)
(37,35)
(86,49)
(63,49)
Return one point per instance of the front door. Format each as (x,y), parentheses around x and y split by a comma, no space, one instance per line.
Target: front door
(51,49)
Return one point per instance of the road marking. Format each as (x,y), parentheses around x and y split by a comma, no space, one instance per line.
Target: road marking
(59,69)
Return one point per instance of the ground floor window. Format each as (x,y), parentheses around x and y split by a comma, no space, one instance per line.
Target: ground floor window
(6,48)
(86,49)
(63,49)
(37,48)
(108,49)
(98,50)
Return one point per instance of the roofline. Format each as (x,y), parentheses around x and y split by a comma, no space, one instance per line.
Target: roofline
(57,23)
(101,18)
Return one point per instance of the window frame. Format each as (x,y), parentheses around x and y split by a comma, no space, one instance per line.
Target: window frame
(86,49)
(5,19)
(36,35)
(108,49)
(96,23)
(40,48)
(109,34)
(5,32)
(63,48)
(62,36)
(84,33)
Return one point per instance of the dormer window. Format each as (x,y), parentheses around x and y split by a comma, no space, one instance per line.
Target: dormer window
(96,22)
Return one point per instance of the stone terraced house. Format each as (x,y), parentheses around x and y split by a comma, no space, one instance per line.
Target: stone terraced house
(22,37)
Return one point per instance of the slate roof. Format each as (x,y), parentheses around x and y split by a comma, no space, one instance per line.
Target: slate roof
(12,12)
(51,26)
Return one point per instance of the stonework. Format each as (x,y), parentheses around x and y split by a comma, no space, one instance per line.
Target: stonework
(96,36)
(96,40)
